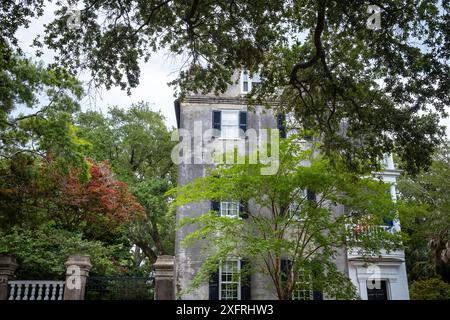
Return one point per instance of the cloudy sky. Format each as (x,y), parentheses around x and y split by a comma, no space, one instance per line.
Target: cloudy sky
(153,87)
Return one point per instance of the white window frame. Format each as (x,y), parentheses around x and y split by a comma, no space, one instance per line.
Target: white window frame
(227,203)
(238,282)
(236,125)
(301,293)
(250,81)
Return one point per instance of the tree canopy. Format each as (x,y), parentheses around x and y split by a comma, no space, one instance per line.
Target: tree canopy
(428,223)
(137,144)
(367,90)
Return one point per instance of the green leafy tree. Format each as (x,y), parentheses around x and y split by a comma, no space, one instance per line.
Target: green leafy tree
(137,144)
(430,289)
(46,215)
(285,222)
(40,151)
(387,84)
(428,249)
(37,104)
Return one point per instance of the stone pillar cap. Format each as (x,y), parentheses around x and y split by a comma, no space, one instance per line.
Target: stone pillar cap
(162,260)
(80,260)
(7,260)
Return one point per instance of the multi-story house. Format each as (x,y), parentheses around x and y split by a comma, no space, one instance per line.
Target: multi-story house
(227,114)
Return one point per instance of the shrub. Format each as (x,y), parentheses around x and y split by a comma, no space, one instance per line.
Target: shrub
(41,253)
(430,289)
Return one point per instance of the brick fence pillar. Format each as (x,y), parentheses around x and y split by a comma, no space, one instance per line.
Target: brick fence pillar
(8,266)
(164,278)
(77,272)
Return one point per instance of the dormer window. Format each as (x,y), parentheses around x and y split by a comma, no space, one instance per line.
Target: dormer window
(248,83)
(245,82)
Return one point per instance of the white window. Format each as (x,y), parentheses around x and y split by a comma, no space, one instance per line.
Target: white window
(229,280)
(303,288)
(230,124)
(295,207)
(229,209)
(247,82)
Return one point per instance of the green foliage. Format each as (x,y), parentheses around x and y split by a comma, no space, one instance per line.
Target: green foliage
(430,289)
(428,218)
(137,144)
(41,253)
(284,223)
(135,141)
(319,58)
(42,158)
(37,104)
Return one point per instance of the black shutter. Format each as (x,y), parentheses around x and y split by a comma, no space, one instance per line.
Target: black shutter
(310,195)
(281,120)
(388,222)
(216,119)
(286,267)
(243,207)
(317,295)
(243,120)
(245,281)
(214,286)
(215,206)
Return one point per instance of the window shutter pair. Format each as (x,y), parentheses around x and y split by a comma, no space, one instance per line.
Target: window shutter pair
(245,283)
(217,120)
(281,124)
(243,207)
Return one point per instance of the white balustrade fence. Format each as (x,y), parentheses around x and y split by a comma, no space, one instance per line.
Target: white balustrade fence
(358,230)
(36,290)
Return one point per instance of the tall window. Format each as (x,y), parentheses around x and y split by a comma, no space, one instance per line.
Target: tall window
(229,209)
(248,83)
(245,82)
(230,124)
(229,280)
(303,288)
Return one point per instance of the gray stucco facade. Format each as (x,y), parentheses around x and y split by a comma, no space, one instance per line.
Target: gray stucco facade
(198,109)
(195,110)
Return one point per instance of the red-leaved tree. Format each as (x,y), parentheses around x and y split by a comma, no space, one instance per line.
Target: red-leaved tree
(102,199)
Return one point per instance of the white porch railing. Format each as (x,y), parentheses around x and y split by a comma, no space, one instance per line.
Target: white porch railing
(36,290)
(358,230)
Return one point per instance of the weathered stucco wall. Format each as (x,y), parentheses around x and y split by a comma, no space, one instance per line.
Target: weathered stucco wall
(189,259)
